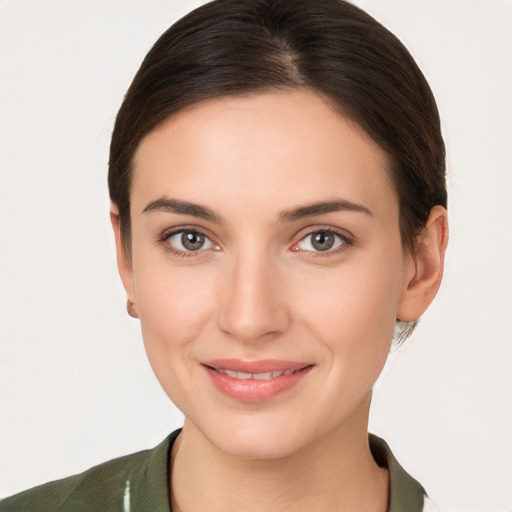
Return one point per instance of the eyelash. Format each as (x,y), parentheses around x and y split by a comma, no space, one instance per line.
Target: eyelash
(346,242)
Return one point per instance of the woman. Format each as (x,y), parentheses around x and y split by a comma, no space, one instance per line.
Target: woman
(278,203)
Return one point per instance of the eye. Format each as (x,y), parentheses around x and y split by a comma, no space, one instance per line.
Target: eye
(321,241)
(189,240)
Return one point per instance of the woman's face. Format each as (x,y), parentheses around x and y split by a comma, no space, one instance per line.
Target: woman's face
(267,268)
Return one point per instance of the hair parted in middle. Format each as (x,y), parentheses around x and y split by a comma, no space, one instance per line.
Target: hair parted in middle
(240,47)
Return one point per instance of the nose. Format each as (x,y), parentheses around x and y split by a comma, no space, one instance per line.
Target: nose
(252,305)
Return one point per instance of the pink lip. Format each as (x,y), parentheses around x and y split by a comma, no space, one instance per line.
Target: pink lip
(255,390)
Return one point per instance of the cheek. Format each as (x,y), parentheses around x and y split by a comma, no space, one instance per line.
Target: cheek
(353,309)
(174,306)
(351,319)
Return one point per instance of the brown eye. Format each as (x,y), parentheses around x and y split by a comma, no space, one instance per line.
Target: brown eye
(188,240)
(321,241)
(192,240)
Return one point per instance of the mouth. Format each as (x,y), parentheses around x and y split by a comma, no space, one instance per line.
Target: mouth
(256,376)
(255,381)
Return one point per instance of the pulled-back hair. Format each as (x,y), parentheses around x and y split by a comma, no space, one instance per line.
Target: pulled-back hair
(237,47)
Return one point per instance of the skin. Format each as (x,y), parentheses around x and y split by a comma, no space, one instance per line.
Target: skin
(258,289)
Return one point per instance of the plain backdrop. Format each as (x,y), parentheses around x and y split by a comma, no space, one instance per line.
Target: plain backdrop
(75,386)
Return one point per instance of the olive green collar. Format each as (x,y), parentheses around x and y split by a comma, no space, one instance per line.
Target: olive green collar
(405,493)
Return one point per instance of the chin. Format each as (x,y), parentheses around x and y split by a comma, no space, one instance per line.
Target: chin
(265,438)
(264,447)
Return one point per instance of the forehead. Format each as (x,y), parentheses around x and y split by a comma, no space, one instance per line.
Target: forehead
(277,147)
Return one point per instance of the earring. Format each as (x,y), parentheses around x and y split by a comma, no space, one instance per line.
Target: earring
(130,307)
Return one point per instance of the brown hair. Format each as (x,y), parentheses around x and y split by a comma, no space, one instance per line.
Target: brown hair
(230,47)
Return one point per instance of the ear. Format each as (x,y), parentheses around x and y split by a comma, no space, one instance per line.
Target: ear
(123,260)
(425,267)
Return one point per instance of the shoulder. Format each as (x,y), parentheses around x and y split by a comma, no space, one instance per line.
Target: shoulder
(111,486)
(99,488)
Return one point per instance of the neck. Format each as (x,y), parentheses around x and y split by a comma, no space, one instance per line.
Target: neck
(336,472)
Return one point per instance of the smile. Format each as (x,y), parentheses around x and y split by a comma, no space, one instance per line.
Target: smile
(256,381)
(257,376)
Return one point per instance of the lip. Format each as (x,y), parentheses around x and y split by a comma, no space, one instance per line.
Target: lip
(255,390)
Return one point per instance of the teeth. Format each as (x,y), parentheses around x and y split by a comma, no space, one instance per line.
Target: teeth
(257,376)
(265,376)
(238,375)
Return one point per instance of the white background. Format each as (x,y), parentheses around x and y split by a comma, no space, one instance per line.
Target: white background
(75,387)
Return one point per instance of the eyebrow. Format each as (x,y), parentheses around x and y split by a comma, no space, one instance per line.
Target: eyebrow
(168,205)
(321,208)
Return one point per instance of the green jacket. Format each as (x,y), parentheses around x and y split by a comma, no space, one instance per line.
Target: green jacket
(139,482)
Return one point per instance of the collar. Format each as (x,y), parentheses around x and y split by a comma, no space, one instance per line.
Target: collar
(148,488)
(405,493)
